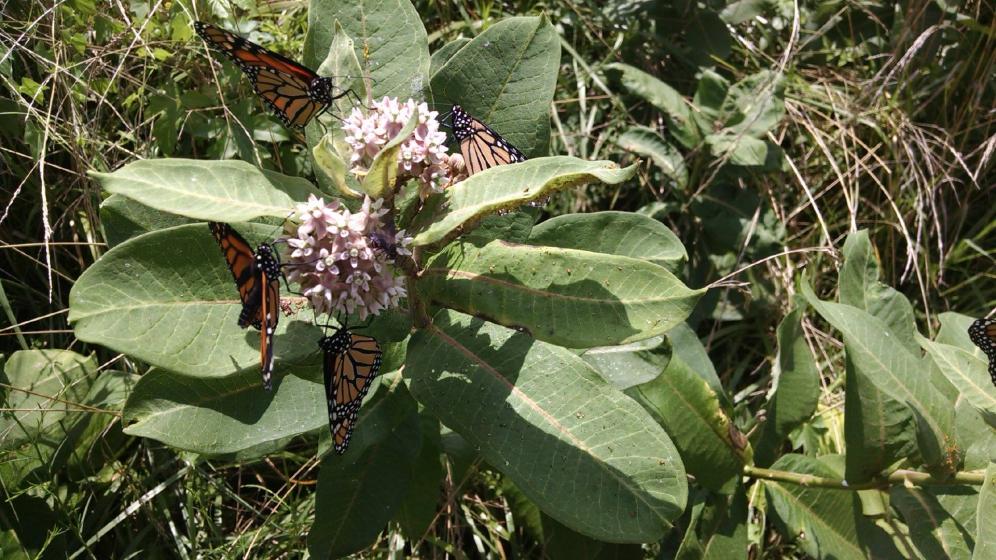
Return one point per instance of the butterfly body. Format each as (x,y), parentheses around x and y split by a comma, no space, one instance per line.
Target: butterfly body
(983,334)
(257,277)
(350,364)
(293,91)
(384,244)
(480,146)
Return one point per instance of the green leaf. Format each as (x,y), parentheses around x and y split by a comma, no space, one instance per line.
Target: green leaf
(36,379)
(742,11)
(342,64)
(614,233)
(8,311)
(382,176)
(223,191)
(442,55)
(708,39)
(358,493)
(218,415)
(389,41)
(560,541)
(717,529)
(712,448)
(954,327)
(646,142)
(754,105)
(576,299)
(985,536)
(934,526)
(506,77)
(736,220)
(627,365)
(741,149)
(824,523)
(968,374)
(977,437)
(418,510)
(710,92)
(549,423)
(513,227)
(740,115)
(333,169)
(795,391)
(167,298)
(525,512)
(860,287)
(878,359)
(506,187)
(677,111)
(686,345)
(879,430)
(123,218)
(70,441)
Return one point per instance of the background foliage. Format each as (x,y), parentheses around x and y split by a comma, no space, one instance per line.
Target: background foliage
(825,166)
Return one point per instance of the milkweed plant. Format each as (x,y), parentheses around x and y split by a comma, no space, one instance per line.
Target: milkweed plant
(510,333)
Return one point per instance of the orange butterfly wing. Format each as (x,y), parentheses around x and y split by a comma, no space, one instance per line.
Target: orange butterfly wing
(250,56)
(257,277)
(283,84)
(481,147)
(287,96)
(242,263)
(351,363)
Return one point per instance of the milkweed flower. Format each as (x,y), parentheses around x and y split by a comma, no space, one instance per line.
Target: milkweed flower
(423,156)
(334,258)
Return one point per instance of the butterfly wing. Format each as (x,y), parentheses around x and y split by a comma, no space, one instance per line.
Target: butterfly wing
(242,263)
(481,147)
(249,56)
(983,334)
(269,313)
(257,276)
(288,96)
(351,363)
(283,84)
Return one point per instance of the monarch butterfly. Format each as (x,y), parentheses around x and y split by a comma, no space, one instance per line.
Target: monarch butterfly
(257,276)
(983,334)
(350,363)
(294,92)
(481,147)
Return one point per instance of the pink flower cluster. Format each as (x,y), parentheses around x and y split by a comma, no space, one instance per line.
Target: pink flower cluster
(423,156)
(334,259)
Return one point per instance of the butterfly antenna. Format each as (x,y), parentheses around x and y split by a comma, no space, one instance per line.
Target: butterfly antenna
(356,97)
(444,119)
(279,227)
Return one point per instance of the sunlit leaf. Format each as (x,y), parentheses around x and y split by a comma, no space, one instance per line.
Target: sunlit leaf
(577,299)
(224,191)
(507,187)
(535,410)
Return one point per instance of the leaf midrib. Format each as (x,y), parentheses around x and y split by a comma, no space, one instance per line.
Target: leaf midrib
(447,272)
(552,421)
(269,210)
(129,308)
(814,516)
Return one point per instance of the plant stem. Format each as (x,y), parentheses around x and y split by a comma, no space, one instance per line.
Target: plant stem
(411,266)
(900,476)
